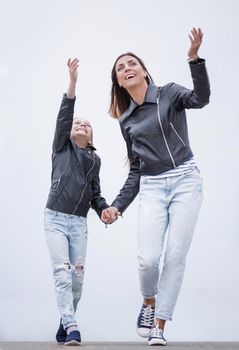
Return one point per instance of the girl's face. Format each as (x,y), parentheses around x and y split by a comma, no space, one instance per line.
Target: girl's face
(129,72)
(82,128)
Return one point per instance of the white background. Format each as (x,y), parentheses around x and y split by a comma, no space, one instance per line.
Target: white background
(36,40)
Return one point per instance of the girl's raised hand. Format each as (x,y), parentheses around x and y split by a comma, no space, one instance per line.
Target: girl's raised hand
(73,65)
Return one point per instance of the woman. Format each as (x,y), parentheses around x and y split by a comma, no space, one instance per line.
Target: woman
(75,187)
(164,172)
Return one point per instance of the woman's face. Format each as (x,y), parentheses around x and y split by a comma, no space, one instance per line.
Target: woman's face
(129,72)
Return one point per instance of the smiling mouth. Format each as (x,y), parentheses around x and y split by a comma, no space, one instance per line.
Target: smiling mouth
(81,129)
(130,76)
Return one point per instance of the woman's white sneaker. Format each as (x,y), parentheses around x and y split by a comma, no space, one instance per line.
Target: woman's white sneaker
(156,336)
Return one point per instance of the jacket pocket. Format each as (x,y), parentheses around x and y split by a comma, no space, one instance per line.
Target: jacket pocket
(56,183)
(177,134)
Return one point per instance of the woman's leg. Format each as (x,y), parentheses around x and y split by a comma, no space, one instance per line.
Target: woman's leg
(186,198)
(152,226)
(57,233)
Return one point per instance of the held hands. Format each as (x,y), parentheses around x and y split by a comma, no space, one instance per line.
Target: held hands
(110,215)
(196,41)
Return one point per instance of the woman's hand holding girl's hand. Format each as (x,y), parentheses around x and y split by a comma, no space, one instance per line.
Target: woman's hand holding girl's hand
(110,215)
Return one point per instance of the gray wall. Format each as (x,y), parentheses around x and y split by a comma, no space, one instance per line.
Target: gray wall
(36,40)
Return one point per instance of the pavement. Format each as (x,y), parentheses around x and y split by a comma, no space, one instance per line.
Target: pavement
(120,346)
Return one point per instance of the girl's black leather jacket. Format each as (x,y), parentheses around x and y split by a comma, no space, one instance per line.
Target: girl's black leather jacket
(75,183)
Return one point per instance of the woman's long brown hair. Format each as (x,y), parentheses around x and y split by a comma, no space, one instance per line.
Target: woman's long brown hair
(120,98)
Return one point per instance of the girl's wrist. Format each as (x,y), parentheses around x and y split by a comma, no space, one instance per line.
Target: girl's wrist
(73,81)
(192,58)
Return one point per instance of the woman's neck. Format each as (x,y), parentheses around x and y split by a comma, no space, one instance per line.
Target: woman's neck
(138,92)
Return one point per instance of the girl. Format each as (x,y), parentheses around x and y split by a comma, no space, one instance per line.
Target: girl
(75,187)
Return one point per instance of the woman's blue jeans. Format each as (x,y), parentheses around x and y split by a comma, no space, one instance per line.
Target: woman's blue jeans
(170,205)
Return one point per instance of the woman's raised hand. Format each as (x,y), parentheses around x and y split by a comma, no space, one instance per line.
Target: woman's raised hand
(195,37)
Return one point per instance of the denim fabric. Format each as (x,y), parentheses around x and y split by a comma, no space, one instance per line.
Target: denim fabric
(170,205)
(66,237)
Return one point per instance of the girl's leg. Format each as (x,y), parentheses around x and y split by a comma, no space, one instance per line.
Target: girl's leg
(57,233)
(186,199)
(77,253)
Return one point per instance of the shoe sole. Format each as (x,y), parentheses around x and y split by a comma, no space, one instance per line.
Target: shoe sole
(61,341)
(157,342)
(72,343)
(143,332)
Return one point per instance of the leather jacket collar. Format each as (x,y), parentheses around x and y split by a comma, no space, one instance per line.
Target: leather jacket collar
(150,97)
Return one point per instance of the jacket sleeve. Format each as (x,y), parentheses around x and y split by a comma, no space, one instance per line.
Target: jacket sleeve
(63,123)
(98,203)
(181,97)
(131,186)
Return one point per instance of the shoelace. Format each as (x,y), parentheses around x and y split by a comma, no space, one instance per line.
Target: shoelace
(157,332)
(147,316)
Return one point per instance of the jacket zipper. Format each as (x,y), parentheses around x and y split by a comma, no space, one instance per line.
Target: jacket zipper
(82,193)
(58,182)
(180,138)
(166,143)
